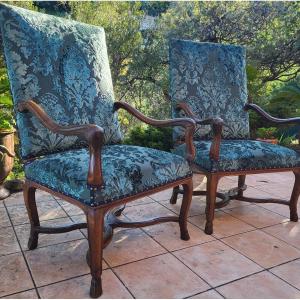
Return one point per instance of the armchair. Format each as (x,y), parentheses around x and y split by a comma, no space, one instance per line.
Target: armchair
(70,136)
(208,84)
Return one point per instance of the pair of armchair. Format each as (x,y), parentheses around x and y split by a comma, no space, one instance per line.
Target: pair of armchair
(63,66)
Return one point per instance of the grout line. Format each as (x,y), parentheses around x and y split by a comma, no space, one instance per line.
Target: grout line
(6,254)
(243,277)
(56,244)
(129,291)
(284,263)
(219,293)
(4,297)
(63,280)
(28,223)
(283,280)
(204,292)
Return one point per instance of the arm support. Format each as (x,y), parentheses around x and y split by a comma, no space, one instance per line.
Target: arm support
(217,127)
(93,134)
(268,117)
(189,125)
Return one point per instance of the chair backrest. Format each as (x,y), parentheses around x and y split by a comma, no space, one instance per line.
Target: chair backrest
(211,79)
(62,65)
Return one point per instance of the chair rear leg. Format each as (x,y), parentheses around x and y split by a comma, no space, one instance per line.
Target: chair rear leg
(29,199)
(174,196)
(184,210)
(294,198)
(212,184)
(95,222)
(241,183)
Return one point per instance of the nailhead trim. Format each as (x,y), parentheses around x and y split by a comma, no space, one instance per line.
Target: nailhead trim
(93,202)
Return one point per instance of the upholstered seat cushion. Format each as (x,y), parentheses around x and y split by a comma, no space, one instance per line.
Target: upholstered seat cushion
(127,170)
(243,155)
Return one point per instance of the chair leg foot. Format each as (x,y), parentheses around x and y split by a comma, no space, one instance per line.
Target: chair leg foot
(184,235)
(294,198)
(96,287)
(174,196)
(29,199)
(294,216)
(184,210)
(212,184)
(209,228)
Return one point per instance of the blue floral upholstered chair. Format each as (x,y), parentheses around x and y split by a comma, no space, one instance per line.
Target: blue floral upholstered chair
(208,83)
(69,132)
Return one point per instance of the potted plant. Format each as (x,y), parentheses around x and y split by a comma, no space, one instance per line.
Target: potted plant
(267,135)
(7,131)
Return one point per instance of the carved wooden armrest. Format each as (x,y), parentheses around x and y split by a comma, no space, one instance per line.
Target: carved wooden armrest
(93,134)
(188,123)
(216,124)
(268,117)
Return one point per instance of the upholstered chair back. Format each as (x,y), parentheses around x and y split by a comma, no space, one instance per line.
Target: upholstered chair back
(211,79)
(63,66)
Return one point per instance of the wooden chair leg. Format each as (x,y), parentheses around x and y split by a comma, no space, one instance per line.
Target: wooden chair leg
(294,198)
(241,182)
(184,210)
(174,196)
(29,199)
(95,223)
(212,184)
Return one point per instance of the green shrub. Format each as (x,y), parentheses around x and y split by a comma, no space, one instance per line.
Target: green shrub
(6,105)
(285,101)
(152,137)
(266,133)
(287,141)
(18,169)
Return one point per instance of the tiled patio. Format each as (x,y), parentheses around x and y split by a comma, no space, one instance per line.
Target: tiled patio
(254,252)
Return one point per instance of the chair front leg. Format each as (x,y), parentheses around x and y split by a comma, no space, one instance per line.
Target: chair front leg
(294,198)
(95,223)
(30,203)
(174,196)
(184,210)
(212,185)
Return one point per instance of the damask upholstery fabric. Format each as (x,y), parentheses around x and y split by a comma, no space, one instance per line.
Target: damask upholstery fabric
(62,65)
(211,79)
(127,170)
(243,155)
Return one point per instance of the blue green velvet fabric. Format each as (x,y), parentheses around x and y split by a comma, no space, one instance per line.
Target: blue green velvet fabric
(211,79)
(62,65)
(127,170)
(238,155)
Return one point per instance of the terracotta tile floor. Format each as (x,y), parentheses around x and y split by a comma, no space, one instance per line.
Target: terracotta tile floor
(253,253)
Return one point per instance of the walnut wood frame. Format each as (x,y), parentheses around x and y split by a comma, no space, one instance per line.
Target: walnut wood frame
(101,220)
(236,193)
